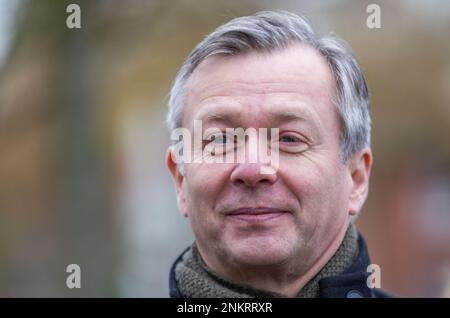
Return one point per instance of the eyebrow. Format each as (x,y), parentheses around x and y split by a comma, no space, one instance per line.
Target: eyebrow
(290,116)
(218,117)
(275,116)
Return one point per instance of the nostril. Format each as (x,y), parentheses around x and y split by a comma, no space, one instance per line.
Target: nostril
(240,182)
(250,175)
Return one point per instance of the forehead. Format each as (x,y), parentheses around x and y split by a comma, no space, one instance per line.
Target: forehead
(295,78)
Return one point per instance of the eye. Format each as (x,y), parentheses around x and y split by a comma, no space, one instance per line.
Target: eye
(221,139)
(218,143)
(290,139)
(292,142)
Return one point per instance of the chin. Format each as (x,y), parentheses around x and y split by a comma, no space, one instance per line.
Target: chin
(261,251)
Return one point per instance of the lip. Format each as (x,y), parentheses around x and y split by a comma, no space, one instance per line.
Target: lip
(256,215)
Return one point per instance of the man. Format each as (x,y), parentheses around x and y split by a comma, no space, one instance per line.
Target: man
(285,230)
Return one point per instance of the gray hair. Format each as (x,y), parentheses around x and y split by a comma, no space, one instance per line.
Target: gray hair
(274,30)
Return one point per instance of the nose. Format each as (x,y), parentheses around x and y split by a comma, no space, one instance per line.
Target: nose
(249,175)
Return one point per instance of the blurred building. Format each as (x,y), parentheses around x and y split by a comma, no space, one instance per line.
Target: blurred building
(83,140)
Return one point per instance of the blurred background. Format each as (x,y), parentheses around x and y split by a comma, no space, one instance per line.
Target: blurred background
(83,140)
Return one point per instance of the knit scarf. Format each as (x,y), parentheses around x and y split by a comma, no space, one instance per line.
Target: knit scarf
(196,280)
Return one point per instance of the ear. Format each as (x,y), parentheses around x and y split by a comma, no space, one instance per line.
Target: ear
(178,180)
(360,166)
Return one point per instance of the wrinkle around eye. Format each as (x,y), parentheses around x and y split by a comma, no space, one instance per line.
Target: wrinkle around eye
(297,145)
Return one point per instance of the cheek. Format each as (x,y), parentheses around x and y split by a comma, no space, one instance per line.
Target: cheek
(322,208)
(203,187)
(204,184)
(318,185)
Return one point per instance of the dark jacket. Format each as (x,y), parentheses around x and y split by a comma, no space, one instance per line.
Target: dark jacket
(350,284)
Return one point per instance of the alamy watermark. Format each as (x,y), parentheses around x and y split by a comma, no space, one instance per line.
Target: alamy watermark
(217,146)
(373,20)
(73,20)
(74,279)
(374,279)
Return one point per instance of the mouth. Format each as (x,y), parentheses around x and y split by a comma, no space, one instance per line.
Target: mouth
(256,215)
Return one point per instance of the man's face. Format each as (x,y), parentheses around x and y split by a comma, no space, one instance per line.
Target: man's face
(240,216)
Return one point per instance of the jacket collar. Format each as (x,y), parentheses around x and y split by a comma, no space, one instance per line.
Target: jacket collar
(353,282)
